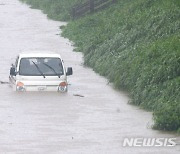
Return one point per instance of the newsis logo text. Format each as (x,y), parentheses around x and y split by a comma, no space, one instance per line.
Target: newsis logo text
(149,142)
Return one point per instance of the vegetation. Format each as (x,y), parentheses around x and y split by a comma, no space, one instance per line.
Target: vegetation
(55,9)
(136,45)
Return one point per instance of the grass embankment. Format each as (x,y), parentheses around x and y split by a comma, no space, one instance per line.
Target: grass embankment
(136,45)
(55,9)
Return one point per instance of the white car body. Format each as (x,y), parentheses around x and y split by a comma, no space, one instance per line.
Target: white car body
(38,82)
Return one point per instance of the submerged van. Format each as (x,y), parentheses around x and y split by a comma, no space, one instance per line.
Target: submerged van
(39,72)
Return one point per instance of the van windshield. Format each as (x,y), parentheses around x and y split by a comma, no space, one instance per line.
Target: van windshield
(41,66)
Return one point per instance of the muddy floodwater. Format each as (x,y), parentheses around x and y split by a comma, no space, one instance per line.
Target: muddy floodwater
(53,123)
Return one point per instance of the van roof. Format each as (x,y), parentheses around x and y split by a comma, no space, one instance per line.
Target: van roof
(38,54)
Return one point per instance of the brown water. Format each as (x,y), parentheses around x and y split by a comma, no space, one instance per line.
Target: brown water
(45,123)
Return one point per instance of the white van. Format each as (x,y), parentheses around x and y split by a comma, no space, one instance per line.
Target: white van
(39,72)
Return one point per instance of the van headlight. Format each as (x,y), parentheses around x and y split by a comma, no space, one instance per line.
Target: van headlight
(20,86)
(62,87)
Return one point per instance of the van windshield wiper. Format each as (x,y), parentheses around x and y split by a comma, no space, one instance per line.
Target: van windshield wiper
(52,69)
(39,69)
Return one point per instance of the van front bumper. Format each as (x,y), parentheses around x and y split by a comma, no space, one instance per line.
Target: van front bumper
(42,88)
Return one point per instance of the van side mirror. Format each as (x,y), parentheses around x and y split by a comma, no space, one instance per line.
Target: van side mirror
(13,71)
(69,71)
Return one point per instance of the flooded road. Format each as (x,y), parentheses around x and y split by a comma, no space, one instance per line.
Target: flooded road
(53,123)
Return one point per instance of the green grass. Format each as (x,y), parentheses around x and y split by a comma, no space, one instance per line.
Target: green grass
(55,9)
(136,45)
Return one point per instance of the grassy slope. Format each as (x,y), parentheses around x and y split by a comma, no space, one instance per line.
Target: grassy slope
(136,45)
(55,9)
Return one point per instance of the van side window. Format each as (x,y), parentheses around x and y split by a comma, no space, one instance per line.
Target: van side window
(16,63)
